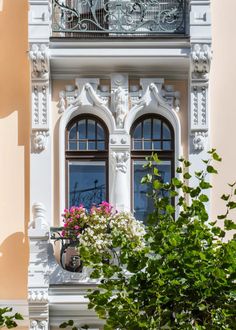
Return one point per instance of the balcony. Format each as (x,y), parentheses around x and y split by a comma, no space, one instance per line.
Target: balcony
(112,19)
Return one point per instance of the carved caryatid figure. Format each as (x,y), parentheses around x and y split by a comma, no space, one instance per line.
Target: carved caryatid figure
(120,106)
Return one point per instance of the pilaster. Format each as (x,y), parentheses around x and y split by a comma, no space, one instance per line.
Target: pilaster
(38,272)
(39,55)
(200,62)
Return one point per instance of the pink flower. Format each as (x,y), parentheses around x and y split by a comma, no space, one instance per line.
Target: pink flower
(63,233)
(76,227)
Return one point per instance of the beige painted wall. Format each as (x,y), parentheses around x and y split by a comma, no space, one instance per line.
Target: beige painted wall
(14,130)
(14,149)
(223,87)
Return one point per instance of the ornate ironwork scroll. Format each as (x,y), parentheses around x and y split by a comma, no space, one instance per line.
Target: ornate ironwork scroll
(119,17)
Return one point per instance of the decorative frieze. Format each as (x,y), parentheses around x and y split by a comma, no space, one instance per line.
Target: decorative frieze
(39,56)
(38,295)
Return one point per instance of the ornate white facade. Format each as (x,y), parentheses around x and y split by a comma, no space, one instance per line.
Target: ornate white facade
(118,81)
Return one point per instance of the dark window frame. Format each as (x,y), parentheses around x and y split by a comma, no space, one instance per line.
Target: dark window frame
(86,155)
(163,155)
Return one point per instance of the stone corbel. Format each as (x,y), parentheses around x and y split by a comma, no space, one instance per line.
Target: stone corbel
(39,56)
(39,140)
(201,56)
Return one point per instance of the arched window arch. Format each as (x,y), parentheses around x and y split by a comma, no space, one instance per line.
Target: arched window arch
(150,133)
(86,161)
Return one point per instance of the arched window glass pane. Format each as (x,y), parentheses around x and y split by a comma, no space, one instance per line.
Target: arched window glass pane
(82,129)
(149,134)
(86,134)
(147,127)
(72,135)
(156,129)
(86,162)
(138,131)
(166,132)
(91,129)
(100,132)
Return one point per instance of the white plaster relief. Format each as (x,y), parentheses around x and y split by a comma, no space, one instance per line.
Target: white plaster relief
(38,325)
(201,59)
(38,295)
(40,106)
(199,140)
(39,140)
(121,159)
(120,106)
(39,56)
(62,102)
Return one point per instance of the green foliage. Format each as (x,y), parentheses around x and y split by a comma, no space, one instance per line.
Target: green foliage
(184,277)
(7,320)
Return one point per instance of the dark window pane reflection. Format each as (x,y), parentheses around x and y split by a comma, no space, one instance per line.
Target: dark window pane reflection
(156,145)
(138,145)
(138,132)
(147,145)
(91,145)
(142,204)
(82,145)
(82,129)
(147,129)
(156,129)
(166,145)
(101,145)
(72,134)
(91,129)
(72,145)
(87,183)
(166,132)
(100,132)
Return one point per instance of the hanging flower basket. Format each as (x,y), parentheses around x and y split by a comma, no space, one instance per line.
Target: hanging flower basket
(94,234)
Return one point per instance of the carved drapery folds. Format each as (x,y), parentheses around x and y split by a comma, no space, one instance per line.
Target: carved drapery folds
(39,56)
(201,56)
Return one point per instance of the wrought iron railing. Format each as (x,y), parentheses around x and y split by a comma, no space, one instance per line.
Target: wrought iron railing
(118,18)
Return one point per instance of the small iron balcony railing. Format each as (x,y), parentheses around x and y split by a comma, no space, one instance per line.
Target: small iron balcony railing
(118,18)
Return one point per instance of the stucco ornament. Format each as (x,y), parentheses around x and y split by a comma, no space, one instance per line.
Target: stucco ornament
(38,295)
(62,102)
(39,57)
(199,140)
(97,100)
(39,140)
(121,159)
(120,106)
(201,58)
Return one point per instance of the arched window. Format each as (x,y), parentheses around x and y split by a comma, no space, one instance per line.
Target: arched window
(150,133)
(86,157)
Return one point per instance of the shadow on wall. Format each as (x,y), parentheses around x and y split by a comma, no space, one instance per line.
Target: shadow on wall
(15,97)
(13,265)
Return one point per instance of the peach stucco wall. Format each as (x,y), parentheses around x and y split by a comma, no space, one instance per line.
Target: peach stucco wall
(14,149)
(15,132)
(222,92)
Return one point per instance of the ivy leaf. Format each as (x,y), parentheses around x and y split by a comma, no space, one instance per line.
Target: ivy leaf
(229,224)
(216,157)
(211,169)
(187,176)
(231,205)
(205,185)
(203,198)
(225,197)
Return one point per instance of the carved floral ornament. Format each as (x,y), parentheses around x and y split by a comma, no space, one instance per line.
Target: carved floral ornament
(39,140)
(199,140)
(201,57)
(39,56)
(121,159)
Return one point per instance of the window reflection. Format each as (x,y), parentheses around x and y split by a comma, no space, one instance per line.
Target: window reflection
(143,205)
(87,183)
